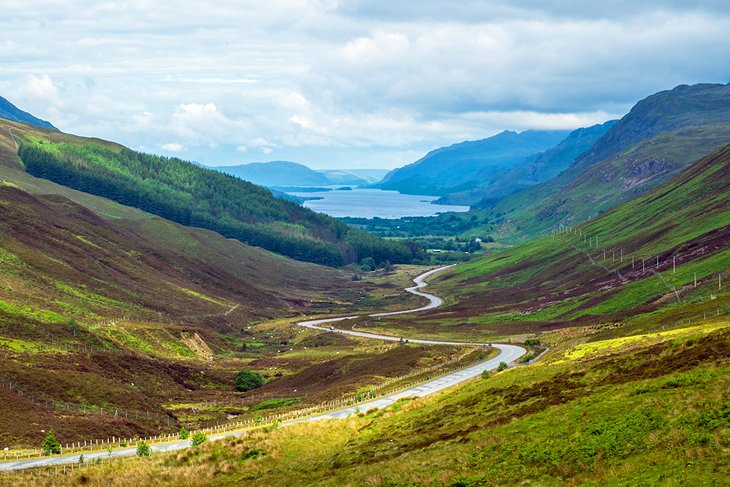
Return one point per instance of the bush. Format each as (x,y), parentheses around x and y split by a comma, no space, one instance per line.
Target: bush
(143,449)
(50,444)
(184,434)
(247,380)
(502,366)
(532,342)
(368,264)
(486,374)
(198,438)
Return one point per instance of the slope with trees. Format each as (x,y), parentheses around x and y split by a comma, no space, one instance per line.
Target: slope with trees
(188,194)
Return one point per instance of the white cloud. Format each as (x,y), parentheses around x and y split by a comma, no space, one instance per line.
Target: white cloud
(335,82)
(172,147)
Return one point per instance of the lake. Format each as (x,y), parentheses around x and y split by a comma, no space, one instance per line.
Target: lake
(370,203)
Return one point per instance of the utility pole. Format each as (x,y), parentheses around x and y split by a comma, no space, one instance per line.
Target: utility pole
(695,279)
(674,264)
(657,262)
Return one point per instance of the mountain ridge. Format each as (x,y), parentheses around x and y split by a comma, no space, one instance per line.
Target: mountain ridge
(10,112)
(466,165)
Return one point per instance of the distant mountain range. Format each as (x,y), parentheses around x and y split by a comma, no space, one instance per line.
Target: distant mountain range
(468,165)
(282,174)
(9,111)
(545,166)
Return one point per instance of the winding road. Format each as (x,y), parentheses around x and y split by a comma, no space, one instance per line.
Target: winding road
(508,354)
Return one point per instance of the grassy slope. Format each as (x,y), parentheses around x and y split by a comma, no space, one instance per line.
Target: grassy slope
(192,195)
(551,281)
(72,264)
(658,415)
(617,400)
(569,198)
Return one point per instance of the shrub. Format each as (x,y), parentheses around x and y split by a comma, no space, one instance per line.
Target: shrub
(50,444)
(143,449)
(486,374)
(198,438)
(532,342)
(247,380)
(184,434)
(502,366)
(368,264)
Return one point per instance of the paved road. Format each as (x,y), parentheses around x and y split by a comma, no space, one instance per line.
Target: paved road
(508,353)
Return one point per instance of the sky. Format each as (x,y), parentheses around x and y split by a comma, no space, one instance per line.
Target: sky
(345,84)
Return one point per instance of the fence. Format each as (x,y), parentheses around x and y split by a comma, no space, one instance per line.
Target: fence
(405,382)
(641,264)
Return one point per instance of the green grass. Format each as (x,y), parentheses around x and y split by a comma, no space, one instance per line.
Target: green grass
(276,403)
(657,415)
(27,346)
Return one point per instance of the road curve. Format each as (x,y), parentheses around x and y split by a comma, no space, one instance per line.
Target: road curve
(508,354)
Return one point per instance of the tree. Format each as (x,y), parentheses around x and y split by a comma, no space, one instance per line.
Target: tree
(247,380)
(198,438)
(50,444)
(184,434)
(502,366)
(143,449)
(368,264)
(74,327)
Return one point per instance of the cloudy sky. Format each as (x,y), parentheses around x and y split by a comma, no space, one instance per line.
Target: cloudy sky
(338,83)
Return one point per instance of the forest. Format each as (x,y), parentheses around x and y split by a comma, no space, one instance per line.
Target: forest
(191,195)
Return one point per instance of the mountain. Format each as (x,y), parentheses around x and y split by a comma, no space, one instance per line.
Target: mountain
(658,138)
(284,174)
(354,177)
(632,389)
(277,173)
(195,196)
(121,312)
(593,273)
(547,165)
(666,111)
(9,111)
(464,166)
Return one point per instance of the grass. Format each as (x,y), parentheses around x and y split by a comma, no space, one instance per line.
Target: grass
(640,341)
(657,415)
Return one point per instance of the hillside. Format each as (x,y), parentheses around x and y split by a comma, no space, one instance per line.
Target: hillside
(617,268)
(277,173)
(665,111)
(188,194)
(632,391)
(464,166)
(658,138)
(547,165)
(354,177)
(8,111)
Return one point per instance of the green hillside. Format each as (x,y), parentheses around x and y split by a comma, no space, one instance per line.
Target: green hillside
(658,138)
(191,195)
(605,270)
(632,390)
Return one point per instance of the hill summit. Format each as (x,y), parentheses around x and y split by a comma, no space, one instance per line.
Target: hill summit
(10,112)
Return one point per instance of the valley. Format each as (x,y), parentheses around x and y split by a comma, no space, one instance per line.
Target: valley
(501,258)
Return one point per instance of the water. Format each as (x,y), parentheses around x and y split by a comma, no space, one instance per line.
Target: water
(369,203)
